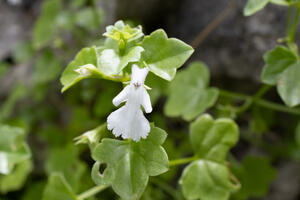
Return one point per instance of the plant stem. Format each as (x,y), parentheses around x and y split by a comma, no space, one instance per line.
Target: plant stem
(181,161)
(250,101)
(260,102)
(91,192)
(293,29)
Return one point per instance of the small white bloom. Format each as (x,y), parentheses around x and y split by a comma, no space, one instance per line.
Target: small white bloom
(129,120)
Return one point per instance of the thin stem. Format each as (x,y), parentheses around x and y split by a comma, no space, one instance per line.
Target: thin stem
(91,192)
(293,29)
(260,102)
(181,161)
(250,101)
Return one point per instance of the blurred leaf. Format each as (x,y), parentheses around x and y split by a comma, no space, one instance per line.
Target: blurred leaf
(77,3)
(58,188)
(89,18)
(189,92)
(65,160)
(13,148)
(261,120)
(17,93)
(277,60)
(45,27)
(288,85)
(34,191)
(280,2)
(255,174)
(47,68)
(22,52)
(206,180)
(164,55)
(254,6)
(211,139)
(16,179)
(129,164)
(3,68)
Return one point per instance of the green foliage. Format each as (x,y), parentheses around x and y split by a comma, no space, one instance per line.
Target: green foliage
(13,148)
(16,179)
(208,177)
(255,174)
(65,161)
(45,27)
(254,6)
(129,164)
(189,92)
(58,188)
(282,69)
(211,139)
(164,55)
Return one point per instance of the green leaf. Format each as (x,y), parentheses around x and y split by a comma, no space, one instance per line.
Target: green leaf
(164,55)
(58,188)
(209,178)
(34,191)
(254,6)
(206,180)
(65,160)
(47,68)
(277,60)
(112,63)
(129,164)
(45,27)
(13,148)
(211,139)
(255,174)
(288,85)
(280,2)
(99,62)
(189,92)
(15,180)
(84,57)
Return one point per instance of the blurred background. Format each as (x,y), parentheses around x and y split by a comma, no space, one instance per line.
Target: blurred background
(39,38)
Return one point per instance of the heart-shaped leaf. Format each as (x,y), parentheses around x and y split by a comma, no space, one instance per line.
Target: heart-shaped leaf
(129,164)
(206,180)
(164,55)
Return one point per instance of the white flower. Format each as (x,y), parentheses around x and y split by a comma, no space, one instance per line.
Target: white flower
(129,120)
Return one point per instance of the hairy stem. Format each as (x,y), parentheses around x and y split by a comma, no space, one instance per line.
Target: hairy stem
(91,192)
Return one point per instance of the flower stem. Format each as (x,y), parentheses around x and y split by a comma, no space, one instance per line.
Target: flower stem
(181,161)
(91,192)
(260,102)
